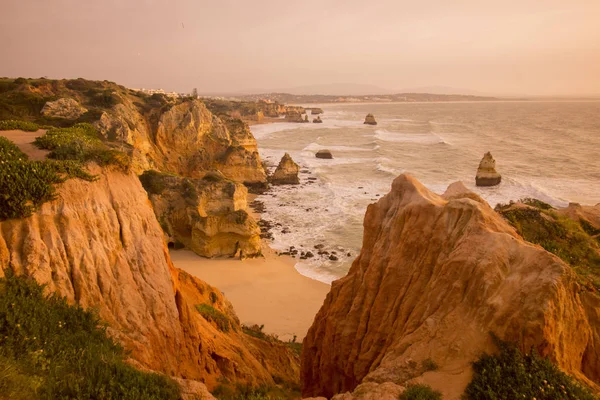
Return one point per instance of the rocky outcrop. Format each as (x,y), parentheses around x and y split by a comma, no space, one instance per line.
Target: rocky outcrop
(436,275)
(66,108)
(370,120)
(185,139)
(294,116)
(317,120)
(286,172)
(324,154)
(315,111)
(99,245)
(208,216)
(486,173)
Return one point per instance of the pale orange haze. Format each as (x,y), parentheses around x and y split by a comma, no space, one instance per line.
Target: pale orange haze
(534,47)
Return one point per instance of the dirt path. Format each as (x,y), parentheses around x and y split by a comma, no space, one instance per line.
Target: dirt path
(24,140)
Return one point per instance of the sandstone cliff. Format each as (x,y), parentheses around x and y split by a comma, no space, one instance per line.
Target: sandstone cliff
(486,173)
(208,216)
(286,172)
(434,277)
(100,245)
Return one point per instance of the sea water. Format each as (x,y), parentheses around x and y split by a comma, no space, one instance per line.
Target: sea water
(546,150)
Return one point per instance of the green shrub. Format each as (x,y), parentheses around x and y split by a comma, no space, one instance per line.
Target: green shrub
(420,392)
(52,350)
(81,143)
(429,365)
(283,390)
(510,374)
(9,125)
(211,314)
(536,203)
(28,184)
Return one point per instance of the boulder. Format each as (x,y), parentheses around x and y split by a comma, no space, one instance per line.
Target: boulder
(324,154)
(66,108)
(317,120)
(286,172)
(370,120)
(435,276)
(486,173)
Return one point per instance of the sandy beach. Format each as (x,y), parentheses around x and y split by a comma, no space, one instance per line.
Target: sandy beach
(265,290)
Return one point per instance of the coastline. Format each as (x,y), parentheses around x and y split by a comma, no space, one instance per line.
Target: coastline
(265,291)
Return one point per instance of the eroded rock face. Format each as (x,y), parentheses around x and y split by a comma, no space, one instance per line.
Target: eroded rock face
(286,172)
(486,173)
(100,245)
(294,116)
(435,275)
(67,108)
(370,120)
(187,140)
(208,216)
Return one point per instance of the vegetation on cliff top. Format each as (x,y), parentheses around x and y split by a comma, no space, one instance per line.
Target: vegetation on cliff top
(420,392)
(28,184)
(81,143)
(510,374)
(9,125)
(211,314)
(570,240)
(52,350)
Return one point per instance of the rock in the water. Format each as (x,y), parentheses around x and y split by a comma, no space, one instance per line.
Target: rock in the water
(316,111)
(486,173)
(63,108)
(370,119)
(317,120)
(286,172)
(324,154)
(294,116)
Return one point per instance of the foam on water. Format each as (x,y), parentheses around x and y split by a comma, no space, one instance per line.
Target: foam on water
(398,137)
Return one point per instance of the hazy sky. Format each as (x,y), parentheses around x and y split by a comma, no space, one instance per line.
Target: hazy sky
(503,47)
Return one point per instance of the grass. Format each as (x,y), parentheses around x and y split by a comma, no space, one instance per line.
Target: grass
(510,374)
(81,143)
(420,392)
(28,184)
(570,240)
(211,314)
(52,350)
(257,332)
(9,125)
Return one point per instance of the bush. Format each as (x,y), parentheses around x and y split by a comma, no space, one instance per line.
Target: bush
(81,143)
(10,125)
(211,314)
(429,365)
(28,184)
(58,351)
(514,375)
(420,392)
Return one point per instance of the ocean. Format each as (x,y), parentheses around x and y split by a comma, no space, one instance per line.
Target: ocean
(546,150)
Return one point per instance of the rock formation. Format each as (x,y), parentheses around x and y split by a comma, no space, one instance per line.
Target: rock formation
(370,120)
(294,116)
(437,274)
(100,245)
(186,139)
(208,216)
(324,154)
(286,172)
(317,120)
(486,173)
(316,111)
(66,108)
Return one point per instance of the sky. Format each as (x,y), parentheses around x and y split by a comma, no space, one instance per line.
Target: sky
(508,47)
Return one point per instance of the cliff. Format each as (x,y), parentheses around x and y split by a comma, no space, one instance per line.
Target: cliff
(436,275)
(99,245)
(208,216)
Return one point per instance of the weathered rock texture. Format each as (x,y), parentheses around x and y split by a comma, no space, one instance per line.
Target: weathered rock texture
(317,120)
(486,173)
(100,245)
(294,116)
(63,108)
(370,120)
(434,277)
(324,154)
(185,139)
(286,172)
(208,216)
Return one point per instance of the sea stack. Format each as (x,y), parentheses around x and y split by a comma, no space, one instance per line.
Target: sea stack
(370,119)
(286,172)
(317,120)
(486,173)
(324,154)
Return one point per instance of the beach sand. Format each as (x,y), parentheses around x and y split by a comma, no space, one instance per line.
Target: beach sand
(265,290)
(24,140)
